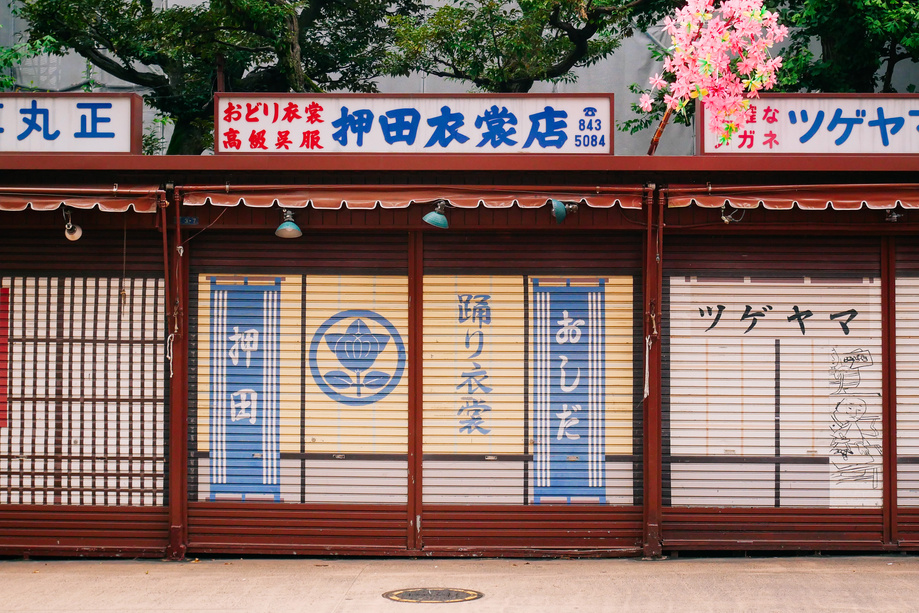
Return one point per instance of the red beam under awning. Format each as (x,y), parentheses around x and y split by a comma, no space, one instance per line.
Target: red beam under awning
(110,198)
(390,197)
(807,197)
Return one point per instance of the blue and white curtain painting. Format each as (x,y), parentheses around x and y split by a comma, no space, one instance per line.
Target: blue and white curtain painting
(245,455)
(569,396)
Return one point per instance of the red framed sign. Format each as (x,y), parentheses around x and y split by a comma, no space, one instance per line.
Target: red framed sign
(71,123)
(823,123)
(471,124)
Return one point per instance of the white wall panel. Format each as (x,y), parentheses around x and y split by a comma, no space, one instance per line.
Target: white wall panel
(86,412)
(781,379)
(908,391)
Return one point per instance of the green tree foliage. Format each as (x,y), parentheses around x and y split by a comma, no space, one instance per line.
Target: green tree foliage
(16,54)
(508,46)
(258,45)
(847,45)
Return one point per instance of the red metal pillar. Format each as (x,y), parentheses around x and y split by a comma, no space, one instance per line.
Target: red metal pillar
(889,390)
(415,365)
(178,397)
(652,443)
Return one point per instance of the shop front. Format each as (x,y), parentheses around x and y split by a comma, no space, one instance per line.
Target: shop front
(457,355)
(84,391)
(425,391)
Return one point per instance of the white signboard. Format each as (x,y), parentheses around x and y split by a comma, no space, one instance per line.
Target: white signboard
(816,123)
(70,123)
(273,123)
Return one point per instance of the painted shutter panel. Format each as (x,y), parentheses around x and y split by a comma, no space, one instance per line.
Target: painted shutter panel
(770,412)
(773,379)
(494,395)
(907,330)
(281,420)
(84,415)
(300,394)
(529,390)
(908,390)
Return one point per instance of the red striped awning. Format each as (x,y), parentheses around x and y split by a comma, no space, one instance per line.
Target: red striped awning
(806,197)
(111,198)
(400,197)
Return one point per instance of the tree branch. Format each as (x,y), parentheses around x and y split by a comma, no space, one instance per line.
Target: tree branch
(244,48)
(125,73)
(892,59)
(580,37)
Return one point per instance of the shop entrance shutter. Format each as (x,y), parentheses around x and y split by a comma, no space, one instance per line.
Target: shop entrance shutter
(299,394)
(82,397)
(531,392)
(907,330)
(772,393)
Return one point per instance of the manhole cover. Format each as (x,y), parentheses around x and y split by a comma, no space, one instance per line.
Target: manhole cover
(433,594)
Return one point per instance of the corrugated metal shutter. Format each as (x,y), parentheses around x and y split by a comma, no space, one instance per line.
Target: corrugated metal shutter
(82,411)
(907,328)
(529,392)
(300,395)
(773,384)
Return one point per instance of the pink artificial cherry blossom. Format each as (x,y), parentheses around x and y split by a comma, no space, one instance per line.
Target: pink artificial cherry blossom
(720,56)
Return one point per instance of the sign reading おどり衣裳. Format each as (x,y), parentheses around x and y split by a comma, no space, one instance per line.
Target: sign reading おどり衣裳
(298,123)
(824,123)
(70,123)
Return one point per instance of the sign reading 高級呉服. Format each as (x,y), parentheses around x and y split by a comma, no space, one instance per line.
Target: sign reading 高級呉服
(70,123)
(825,123)
(272,123)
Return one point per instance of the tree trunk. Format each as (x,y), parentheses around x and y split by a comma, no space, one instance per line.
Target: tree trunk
(187,138)
(289,54)
(521,86)
(660,131)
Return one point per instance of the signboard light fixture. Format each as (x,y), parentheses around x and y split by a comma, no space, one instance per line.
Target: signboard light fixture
(72,231)
(288,229)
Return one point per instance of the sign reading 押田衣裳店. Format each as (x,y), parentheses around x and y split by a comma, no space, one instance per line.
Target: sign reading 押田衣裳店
(70,123)
(824,123)
(298,123)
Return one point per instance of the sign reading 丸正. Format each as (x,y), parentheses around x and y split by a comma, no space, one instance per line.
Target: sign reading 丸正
(819,123)
(70,123)
(413,124)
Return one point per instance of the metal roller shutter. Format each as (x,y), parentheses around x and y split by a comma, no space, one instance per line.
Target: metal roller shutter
(772,391)
(300,397)
(82,414)
(907,329)
(529,393)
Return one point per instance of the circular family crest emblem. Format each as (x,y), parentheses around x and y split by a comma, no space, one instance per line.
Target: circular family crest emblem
(357,357)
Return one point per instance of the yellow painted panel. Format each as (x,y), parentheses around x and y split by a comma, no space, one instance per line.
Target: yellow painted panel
(619,366)
(290,363)
(357,366)
(473,364)
(204,361)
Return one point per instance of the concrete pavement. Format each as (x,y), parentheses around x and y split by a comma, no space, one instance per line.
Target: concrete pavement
(316,585)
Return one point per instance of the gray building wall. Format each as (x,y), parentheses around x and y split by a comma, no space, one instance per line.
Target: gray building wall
(631,63)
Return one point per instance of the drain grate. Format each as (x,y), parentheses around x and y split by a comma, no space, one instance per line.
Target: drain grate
(433,594)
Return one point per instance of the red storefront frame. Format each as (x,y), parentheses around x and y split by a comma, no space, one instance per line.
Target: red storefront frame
(739,182)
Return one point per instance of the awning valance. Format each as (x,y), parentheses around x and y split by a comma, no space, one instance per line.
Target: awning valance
(807,197)
(111,198)
(390,197)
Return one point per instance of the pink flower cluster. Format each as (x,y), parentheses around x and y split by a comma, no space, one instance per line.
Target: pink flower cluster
(720,56)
